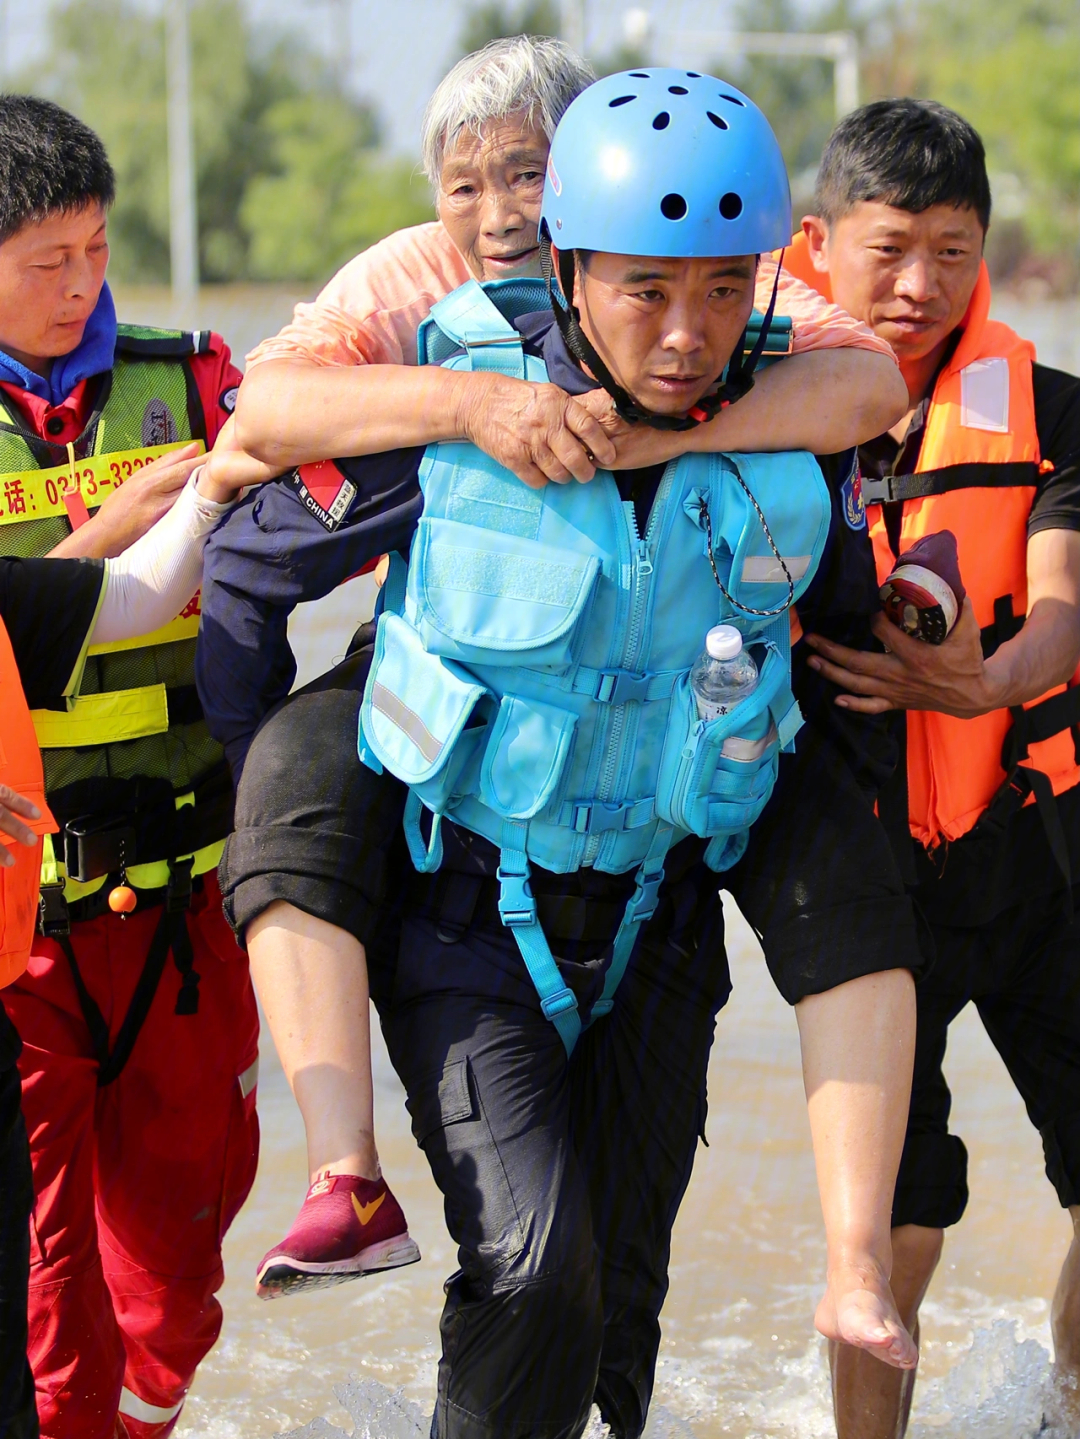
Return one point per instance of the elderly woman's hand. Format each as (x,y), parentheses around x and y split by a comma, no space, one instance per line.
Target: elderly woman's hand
(536,430)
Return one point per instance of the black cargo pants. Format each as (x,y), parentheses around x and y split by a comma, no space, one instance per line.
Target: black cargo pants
(561,1180)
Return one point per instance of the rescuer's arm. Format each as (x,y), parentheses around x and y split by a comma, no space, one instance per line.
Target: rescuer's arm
(292,411)
(128,512)
(953,678)
(270,555)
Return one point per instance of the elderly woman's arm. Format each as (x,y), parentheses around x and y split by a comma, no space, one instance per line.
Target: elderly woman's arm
(292,411)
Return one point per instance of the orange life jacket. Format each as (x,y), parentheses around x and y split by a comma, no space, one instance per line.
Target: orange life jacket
(20,768)
(976,475)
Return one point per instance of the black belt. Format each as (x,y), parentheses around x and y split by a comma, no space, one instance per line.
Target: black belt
(459,902)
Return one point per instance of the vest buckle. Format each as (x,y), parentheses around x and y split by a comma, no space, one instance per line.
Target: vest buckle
(516,903)
(53,918)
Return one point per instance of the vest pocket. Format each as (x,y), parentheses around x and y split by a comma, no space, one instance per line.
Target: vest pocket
(716,775)
(498,598)
(525,756)
(420,716)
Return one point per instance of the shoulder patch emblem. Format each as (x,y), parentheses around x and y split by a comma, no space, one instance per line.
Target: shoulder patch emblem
(227,401)
(851,496)
(324,491)
(159,424)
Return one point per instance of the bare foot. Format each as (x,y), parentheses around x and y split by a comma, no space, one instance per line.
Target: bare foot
(858,1308)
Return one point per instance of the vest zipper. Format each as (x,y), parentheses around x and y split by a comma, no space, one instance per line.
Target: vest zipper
(641,571)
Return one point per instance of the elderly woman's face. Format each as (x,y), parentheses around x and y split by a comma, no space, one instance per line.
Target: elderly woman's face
(490,190)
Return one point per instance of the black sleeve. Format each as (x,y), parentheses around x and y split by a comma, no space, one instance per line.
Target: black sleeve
(1057,422)
(276,550)
(48,608)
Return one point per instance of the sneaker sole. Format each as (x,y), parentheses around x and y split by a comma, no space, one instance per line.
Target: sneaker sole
(282,1277)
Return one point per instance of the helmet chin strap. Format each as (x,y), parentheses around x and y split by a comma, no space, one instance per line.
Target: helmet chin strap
(737,381)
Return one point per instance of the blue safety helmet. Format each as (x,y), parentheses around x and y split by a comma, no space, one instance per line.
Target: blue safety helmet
(666,162)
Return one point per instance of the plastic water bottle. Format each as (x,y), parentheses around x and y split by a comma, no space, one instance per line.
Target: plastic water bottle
(723,673)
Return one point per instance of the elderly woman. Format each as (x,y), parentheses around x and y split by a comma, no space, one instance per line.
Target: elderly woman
(342,380)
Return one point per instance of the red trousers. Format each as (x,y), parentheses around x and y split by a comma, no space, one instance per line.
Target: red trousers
(136,1182)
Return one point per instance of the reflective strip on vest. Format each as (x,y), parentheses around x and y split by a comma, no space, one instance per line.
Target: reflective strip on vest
(39,494)
(104,718)
(982,413)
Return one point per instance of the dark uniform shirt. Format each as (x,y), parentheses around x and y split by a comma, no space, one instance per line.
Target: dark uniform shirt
(1031,869)
(272,553)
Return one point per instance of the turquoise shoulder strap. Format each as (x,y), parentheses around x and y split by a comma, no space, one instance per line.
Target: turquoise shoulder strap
(478,319)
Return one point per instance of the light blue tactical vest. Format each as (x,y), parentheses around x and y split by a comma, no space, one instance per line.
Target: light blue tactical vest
(531,676)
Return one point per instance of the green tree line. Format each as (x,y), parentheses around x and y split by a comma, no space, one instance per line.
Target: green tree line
(292,181)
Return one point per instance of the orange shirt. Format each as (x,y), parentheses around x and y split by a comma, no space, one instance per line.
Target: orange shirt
(370,310)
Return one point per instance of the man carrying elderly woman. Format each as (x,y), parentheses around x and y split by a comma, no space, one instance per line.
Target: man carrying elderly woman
(562,1178)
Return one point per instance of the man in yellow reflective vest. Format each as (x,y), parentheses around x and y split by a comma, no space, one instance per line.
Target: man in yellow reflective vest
(985,814)
(138,1069)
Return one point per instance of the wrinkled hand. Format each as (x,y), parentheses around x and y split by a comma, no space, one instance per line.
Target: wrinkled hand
(12,805)
(230,469)
(536,430)
(128,512)
(636,446)
(951,678)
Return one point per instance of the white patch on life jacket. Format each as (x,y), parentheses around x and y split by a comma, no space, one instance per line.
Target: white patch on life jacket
(767,570)
(135,1408)
(984,396)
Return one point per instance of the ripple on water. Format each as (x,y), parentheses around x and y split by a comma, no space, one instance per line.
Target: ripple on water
(1000,1388)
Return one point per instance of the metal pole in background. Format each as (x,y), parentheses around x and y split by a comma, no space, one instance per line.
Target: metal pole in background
(839,46)
(183,216)
(574,18)
(5,42)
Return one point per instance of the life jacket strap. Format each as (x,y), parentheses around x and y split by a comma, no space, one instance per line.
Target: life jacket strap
(641,907)
(517,907)
(1006,626)
(1011,474)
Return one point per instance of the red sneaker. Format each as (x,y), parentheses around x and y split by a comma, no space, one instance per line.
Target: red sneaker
(346,1227)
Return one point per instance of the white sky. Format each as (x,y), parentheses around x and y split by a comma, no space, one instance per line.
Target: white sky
(401,47)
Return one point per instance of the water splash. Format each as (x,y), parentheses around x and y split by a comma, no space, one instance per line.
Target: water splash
(376,1412)
(1000,1388)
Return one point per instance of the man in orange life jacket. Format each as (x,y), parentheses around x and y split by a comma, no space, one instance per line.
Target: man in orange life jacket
(986,812)
(138,1072)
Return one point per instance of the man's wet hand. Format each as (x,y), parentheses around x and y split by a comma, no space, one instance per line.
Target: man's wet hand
(536,430)
(12,806)
(951,678)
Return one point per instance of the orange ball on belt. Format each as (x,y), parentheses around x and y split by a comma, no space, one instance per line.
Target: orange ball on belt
(123,899)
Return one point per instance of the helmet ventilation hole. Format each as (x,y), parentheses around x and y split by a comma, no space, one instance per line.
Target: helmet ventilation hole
(692,75)
(730,205)
(662,121)
(639,75)
(720,124)
(622,100)
(673,207)
(677,90)
(732,101)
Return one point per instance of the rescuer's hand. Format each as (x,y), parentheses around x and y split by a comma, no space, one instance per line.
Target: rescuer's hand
(12,805)
(536,430)
(951,678)
(128,512)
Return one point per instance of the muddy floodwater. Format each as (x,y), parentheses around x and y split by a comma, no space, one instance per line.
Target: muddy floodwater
(739,1356)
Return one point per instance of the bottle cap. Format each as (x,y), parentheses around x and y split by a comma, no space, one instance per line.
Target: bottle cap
(723,642)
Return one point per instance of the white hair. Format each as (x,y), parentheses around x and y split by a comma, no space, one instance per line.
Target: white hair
(531,73)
